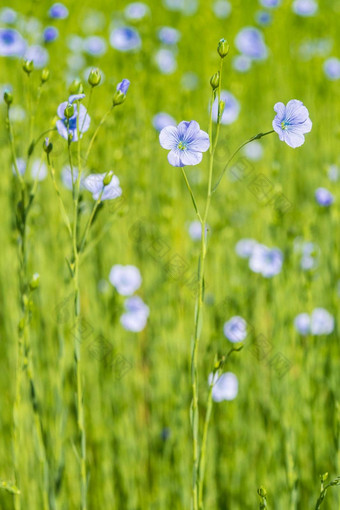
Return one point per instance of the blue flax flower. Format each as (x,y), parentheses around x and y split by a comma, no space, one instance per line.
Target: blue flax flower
(125,39)
(58,11)
(186,143)
(324,197)
(292,122)
(123,86)
(12,44)
(95,184)
(66,126)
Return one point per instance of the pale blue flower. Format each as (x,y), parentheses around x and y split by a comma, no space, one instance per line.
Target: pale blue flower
(162,120)
(241,63)
(270,3)
(305,7)
(292,122)
(195,230)
(333,173)
(8,15)
(12,44)
(225,387)
(266,261)
(95,45)
(123,86)
(253,150)
(38,54)
(222,9)
(125,279)
(309,253)
(66,126)
(231,110)
(50,34)
(136,11)
(21,166)
(245,247)
(125,39)
(186,143)
(94,183)
(169,35)
(332,68)
(322,322)
(263,18)
(166,61)
(235,329)
(136,315)
(58,11)
(324,197)
(302,323)
(250,42)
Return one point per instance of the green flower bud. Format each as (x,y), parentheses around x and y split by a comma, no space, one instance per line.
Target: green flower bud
(47,146)
(215,80)
(69,111)
(262,492)
(221,106)
(223,48)
(45,74)
(34,283)
(94,77)
(76,87)
(28,66)
(108,178)
(118,98)
(8,98)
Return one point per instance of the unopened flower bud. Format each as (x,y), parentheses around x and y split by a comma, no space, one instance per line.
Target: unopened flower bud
(223,48)
(94,77)
(8,97)
(28,66)
(76,87)
(45,74)
(47,146)
(262,492)
(221,106)
(215,80)
(108,178)
(69,111)
(34,283)
(118,98)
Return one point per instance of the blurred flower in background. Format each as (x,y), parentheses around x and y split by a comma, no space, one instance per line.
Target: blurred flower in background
(162,120)
(332,68)
(250,42)
(324,197)
(95,184)
(58,11)
(320,322)
(305,7)
(266,261)
(136,315)
(231,110)
(235,329)
(125,279)
(136,11)
(12,44)
(125,39)
(225,387)
(222,8)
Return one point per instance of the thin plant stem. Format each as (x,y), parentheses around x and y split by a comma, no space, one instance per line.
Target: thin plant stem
(61,203)
(96,132)
(256,137)
(191,194)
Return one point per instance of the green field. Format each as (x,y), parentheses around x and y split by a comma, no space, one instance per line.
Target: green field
(128,443)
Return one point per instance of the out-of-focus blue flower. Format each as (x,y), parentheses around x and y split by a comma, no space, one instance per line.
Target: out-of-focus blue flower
(292,122)
(189,81)
(8,15)
(253,150)
(231,109)
(125,39)
(270,3)
(169,35)
(302,323)
(66,177)
(241,63)
(245,247)
(12,44)
(225,387)
(309,253)
(136,11)
(95,45)
(250,42)
(162,120)
(305,7)
(136,316)
(195,230)
(123,86)
(322,322)
(94,183)
(38,169)
(75,43)
(21,165)
(333,173)
(332,68)
(66,126)
(186,6)
(166,61)
(235,329)
(38,54)
(186,143)
(222,8)
(17,113)
(50,34)
(125,279)
(324,197)
(58,11)
(263,18)
(266,261)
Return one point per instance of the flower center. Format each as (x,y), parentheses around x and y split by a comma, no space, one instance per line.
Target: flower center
(182,146)
(284,124)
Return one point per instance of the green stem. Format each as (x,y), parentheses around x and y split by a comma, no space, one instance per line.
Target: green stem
(191,194)
(61,203)
(256,137)
(96,132)
(89,222)
(204,445)
(14,159)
